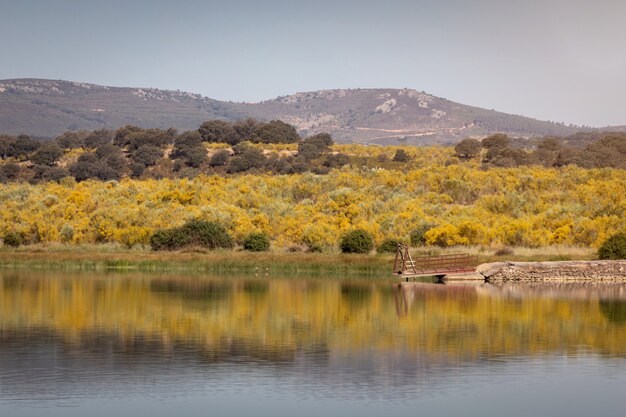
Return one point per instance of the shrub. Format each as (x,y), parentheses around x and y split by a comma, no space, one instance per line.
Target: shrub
(136,170)
(256,242)
(507,250)
(169,239)
(9,172)
(67,233)
(388,246)
(417,235)
(196,157)
(195,232)
(445,235)
(614,247)
(219,158)
(208,234)
(246,158)
(46,173)
(357,241)
(401,156)
(12,239)
(314,248)
(336,160)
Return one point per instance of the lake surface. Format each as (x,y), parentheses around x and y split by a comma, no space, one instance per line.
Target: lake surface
(161,345)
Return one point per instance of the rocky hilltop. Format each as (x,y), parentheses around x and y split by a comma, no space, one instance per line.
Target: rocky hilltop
(47,108)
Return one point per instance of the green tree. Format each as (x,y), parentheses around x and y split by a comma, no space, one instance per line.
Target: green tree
(99,138)
(72,140)
(23,146)
(498,140)
(189,148)
(468,148)
(218,131)
(6,142)
(122,135)
(150,137)
(245,129)
(147,155)
(275,132)
(47,154)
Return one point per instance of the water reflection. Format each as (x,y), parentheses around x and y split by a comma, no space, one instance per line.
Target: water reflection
(68,332)
(274,318)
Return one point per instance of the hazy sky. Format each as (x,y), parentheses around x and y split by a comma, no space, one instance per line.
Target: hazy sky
(561,60)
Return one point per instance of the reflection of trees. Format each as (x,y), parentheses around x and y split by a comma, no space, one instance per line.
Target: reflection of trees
(277,320)
(193,290)
(614,310)
(356,294)
(256,287)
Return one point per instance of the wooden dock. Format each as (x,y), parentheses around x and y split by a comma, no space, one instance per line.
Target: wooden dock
(433,265)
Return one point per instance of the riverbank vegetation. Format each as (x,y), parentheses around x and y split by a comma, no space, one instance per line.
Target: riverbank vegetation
(276,262)
(303,195)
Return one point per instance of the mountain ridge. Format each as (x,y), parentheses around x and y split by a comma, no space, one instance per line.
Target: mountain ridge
(46,108)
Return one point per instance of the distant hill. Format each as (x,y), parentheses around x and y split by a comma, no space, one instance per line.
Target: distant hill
(46,108)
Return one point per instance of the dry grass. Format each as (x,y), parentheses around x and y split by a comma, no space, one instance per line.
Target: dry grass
(520,254)
(111,256)
(92,257)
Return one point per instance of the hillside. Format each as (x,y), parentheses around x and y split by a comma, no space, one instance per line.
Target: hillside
(47,108)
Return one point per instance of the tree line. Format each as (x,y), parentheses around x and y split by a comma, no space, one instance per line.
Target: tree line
(136,152)
(223,148)
(601,150)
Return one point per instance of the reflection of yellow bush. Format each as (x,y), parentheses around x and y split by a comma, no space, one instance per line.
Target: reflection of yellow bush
(527,206)
(288,314)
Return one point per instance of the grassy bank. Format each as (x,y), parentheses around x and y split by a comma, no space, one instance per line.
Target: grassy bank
(114,257)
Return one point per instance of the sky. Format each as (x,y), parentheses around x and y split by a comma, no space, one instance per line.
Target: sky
(558,60)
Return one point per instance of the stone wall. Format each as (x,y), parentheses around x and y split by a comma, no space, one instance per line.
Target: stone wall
(554,271)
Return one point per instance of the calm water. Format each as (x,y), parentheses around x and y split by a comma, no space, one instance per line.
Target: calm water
(163,345)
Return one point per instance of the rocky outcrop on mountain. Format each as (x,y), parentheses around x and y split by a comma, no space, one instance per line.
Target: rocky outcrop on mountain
(47,108)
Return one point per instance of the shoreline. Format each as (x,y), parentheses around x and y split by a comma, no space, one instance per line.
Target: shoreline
(523,267)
